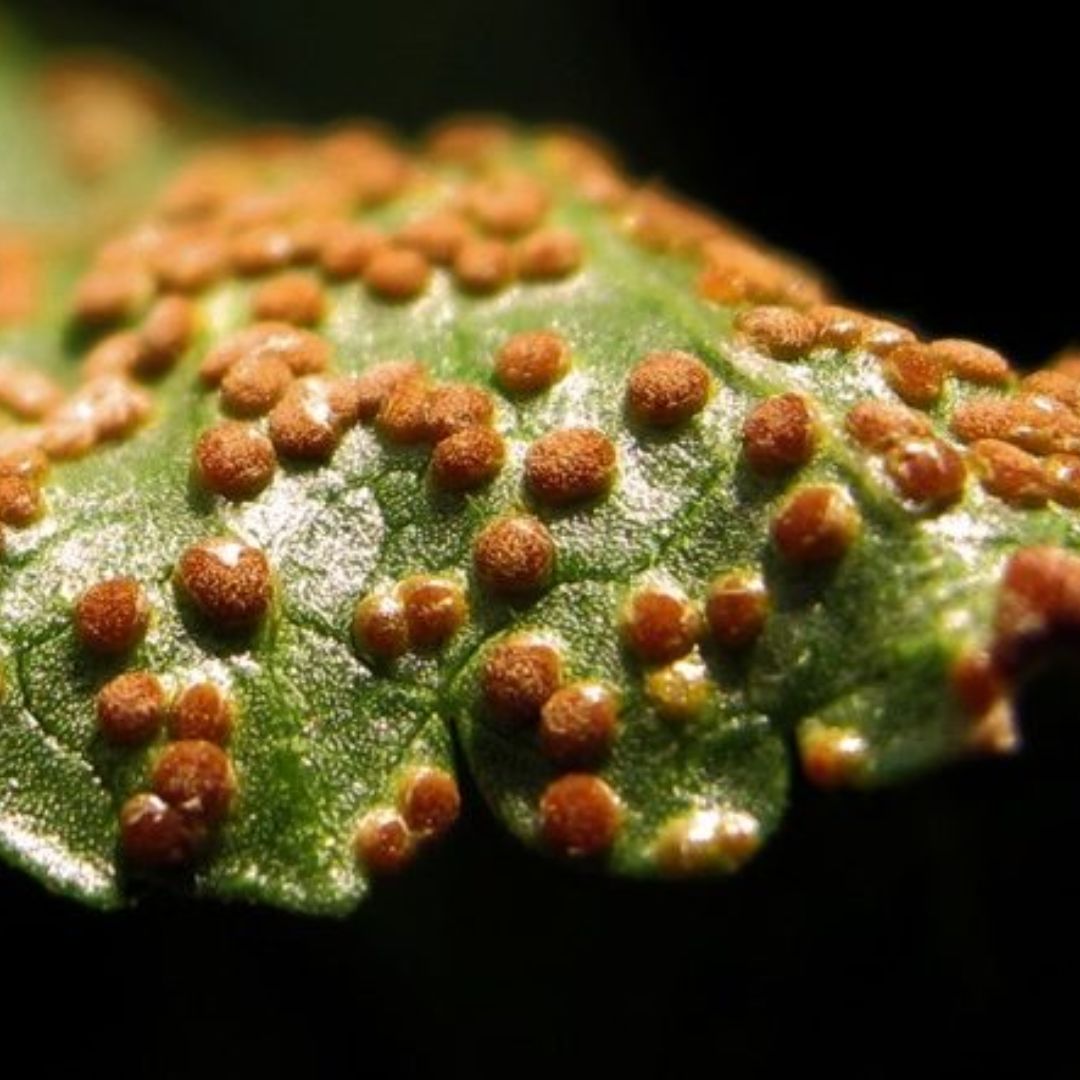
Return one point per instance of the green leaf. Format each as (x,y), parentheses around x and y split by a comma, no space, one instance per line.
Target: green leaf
(701,530)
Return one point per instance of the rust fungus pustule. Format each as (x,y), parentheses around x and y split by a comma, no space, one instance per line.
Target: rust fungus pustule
(435,609)
(403,415)
(292,297)
(926,471)
(679,690)
(376,383)
(384,844)
(832,757)
(379,626)
(455,407)
(467,460)
(519,675)
(532,361)
(166,333)
(191,263)
(667,388)
(579,816)
(780,332)
(816,525)
(131,708)
(202,711)
(429,800)
(972,362)
(507,205)
(707,840)
(570,465)
(20,501)
(514,555)
(24,460)
(111,294)
(261,249)
(254,385)
(483,266)
(1010,473)
(915,372)
(302,351)
(234,460)
(659,625)
(438,236)
(976,682)
(780,434)
(196,777)
(111,617)
(396,273)
(304,424)
(578,724)
(736,608)
(1039,597)
(227,581)
(876,425)
(348,248)
(1063,479)
(154,834)
(549,254)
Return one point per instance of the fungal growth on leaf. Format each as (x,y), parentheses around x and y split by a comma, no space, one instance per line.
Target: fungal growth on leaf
(331,463)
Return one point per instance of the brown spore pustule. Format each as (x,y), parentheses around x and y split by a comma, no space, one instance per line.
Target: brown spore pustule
(111,617)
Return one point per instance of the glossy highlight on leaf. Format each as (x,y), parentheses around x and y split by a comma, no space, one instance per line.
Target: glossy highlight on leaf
(322,454)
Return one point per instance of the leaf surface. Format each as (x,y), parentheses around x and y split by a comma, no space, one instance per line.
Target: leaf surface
(740,530)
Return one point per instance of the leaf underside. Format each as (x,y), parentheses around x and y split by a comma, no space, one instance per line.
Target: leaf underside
(853,670)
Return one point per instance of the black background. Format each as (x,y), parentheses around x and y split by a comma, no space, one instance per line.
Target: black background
(928,164)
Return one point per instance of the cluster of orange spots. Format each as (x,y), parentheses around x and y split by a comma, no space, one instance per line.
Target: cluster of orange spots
(1025,448)
(667,388)
(428,804)
(736,270)
(832,756)
(532,361)
(926,470)
(1039,598)
(816,524)
(192,780)
(779,435)
(514,555)
(521,687)
(518,677)
(193,784)
(227,582)
(661,627)
(105,407)
(706,840)
(421,613)
(569,465)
